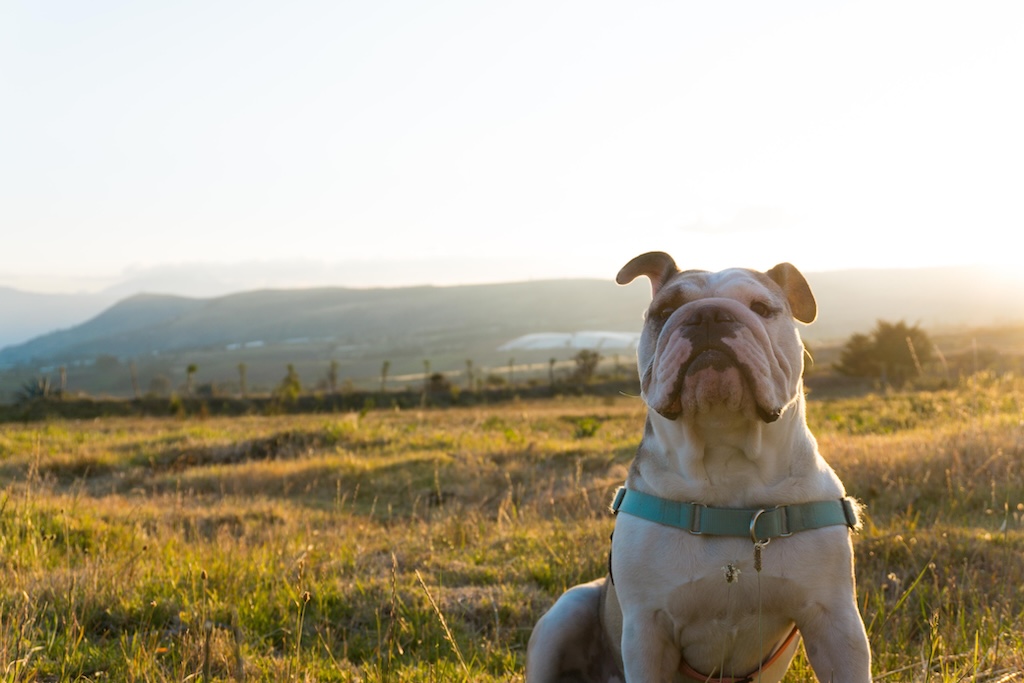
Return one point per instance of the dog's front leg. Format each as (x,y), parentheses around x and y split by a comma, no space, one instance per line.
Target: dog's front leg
(648,655)
(837,645)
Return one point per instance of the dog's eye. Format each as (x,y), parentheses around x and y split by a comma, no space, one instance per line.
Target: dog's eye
(762,309)
(662,313)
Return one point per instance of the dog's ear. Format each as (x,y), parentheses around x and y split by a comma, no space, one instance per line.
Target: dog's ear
(657,265)
(797,291)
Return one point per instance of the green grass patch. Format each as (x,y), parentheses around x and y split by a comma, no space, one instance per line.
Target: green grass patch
(422,545)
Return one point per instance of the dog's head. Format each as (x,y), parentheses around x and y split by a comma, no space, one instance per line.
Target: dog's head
(720,340)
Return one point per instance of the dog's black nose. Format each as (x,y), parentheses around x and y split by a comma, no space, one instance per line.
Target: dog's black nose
(706,324)
(709,315)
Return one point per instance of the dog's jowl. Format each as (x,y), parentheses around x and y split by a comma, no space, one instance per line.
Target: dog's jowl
(732,537)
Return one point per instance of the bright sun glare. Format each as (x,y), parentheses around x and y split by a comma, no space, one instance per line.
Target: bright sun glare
(462,143)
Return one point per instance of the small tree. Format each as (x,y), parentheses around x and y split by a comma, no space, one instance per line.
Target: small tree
(190,377)
(893,352)
(438,385)
(332,377)
(34,390)
(858,358)
(290,387)
(586,366)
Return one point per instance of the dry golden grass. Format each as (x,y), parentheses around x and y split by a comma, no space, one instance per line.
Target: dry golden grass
(423,545)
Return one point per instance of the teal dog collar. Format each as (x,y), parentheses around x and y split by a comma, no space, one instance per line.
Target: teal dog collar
(759,524)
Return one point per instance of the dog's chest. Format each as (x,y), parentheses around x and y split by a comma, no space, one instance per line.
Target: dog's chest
(723,610)
(708,586)
(727,579)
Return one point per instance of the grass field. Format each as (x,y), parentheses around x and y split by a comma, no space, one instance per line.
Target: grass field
(423,545)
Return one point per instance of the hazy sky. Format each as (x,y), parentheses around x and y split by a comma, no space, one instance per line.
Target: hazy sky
(393,142)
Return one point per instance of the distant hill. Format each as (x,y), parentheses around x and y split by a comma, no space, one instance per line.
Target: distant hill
(382,318)
(129,328)
(848,301)
(449,326)
(26,315)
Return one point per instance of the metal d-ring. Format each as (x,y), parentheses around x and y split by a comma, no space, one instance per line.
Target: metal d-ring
(753,531)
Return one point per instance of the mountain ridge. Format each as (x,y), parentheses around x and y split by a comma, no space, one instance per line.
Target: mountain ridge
(147,324)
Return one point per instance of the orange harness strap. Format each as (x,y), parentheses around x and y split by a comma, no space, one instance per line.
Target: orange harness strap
(771,670)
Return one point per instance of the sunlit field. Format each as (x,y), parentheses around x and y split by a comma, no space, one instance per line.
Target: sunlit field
(423,545)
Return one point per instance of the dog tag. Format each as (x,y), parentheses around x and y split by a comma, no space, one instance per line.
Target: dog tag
(757,554)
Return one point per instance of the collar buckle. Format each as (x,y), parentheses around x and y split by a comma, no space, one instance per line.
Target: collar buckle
(850,513)
(695,519)
(617,501)
(784,511)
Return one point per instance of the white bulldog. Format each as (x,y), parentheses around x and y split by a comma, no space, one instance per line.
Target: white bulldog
(732,538)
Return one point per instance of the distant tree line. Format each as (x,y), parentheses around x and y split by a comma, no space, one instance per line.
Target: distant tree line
(892,353)
(437,389)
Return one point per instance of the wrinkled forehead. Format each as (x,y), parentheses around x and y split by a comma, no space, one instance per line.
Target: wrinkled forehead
(734,283)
